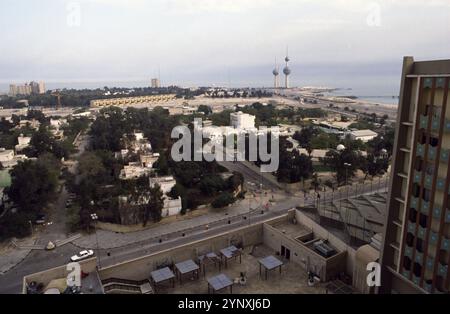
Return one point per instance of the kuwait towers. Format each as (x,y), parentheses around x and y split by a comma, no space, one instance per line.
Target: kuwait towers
(286,71)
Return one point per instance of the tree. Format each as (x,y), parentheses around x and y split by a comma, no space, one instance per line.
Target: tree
(205,109)
(154,207)
(33,184)
(344,163)
(223,200)
(90,165)
(305,136)
(374,166)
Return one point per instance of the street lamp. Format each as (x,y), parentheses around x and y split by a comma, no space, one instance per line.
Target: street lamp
(31,227)
(94,218)
(347,165)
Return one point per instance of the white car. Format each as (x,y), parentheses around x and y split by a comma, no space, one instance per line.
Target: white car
(82,255)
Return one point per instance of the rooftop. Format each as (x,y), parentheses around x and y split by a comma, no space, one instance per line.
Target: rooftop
(292,280)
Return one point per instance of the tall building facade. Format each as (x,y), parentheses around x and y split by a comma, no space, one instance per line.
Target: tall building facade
(27,89)
(415,255)
(156,83)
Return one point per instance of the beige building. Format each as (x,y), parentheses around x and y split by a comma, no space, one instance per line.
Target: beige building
(130,101)
(416,251)
(155,83)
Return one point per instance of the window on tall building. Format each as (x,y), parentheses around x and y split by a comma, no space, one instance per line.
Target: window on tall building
(434,141)
(423,220)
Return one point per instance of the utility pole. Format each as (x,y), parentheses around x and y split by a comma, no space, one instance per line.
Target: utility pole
(31,227)
(94,218)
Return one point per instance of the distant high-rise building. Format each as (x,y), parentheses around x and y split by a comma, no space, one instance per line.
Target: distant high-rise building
(34,87)
(155,83)
(415,255)
(27,89)
(12,90)
(41,87)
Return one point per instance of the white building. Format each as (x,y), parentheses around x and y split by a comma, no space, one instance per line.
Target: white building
(139,136)
(166,183)
(148,160)
(133,170)
(6,155)
(9,160)
(242,121)
(171,206)
(57,123)
(363,135)
(23,142)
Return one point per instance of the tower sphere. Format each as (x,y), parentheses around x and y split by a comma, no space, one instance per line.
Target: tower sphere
(275,72)
(287,59)
(287,71)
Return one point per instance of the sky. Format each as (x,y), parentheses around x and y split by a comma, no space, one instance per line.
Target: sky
(224,42)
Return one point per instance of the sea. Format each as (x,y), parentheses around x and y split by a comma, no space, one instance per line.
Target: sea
(387,94)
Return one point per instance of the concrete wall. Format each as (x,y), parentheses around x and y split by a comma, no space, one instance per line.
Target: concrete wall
(323,233)
(140,268)
(45,277)
(302,253)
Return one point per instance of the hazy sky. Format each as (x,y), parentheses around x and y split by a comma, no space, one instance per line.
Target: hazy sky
(217,41)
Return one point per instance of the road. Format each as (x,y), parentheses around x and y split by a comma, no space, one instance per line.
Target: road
(39,260)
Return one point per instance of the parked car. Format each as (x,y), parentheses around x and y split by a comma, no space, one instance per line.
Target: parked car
(40,219)
(82,255)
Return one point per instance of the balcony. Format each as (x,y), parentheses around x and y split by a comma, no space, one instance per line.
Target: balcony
(428,181)
(414,203)
(428,287)
(417,176)
(435,123)
(447,126)
(432,153)
(419,258)
(423,122)
(442,270)
(437,212)
(422,233)
(445,244)
(425,209)
(444,155)
(430,263)
(440,82)
(412,228)
(408,251)
(440,184)
(420,152)
(433,237)
(428,82)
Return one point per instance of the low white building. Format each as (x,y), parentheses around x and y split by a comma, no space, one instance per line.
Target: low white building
(171,206)
(57,123)
(34,124)
(148,160)
(242,121)
(166,183)
(133,170)
(6,155)
(23,142)
(9,160)
(363,135)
